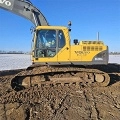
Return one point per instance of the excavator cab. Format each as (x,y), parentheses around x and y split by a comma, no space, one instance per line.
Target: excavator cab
(48,41)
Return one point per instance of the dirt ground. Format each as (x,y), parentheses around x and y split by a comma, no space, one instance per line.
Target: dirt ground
(60,102)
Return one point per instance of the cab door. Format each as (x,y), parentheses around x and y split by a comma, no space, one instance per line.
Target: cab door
(63,47)
(45,50)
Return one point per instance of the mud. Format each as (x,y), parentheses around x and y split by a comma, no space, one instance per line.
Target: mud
(68,102)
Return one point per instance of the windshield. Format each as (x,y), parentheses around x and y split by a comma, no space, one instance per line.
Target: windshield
(48,42)
(46,38)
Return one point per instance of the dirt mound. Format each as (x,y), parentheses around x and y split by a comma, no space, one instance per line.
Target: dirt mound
(60,102)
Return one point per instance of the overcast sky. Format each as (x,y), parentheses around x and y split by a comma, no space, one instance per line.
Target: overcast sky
(88,17)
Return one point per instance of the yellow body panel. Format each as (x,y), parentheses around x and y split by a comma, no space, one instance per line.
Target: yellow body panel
(86,52)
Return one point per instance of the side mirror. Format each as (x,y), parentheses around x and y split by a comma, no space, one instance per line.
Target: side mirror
(69,26)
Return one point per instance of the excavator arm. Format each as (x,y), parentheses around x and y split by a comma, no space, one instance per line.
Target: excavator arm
(25,9)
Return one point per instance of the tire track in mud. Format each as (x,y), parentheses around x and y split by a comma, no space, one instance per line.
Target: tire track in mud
(65,102)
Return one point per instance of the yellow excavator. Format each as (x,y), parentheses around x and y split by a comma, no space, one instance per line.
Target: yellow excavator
(51,46)
(55,60)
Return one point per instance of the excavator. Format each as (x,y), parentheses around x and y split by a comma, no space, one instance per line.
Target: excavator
(55,61)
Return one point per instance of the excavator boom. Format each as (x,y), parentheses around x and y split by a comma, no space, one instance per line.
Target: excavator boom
(25,9)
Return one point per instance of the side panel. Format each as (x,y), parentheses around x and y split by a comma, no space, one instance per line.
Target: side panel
(90,52)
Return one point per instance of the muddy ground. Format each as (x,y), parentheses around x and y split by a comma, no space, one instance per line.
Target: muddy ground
(60,102)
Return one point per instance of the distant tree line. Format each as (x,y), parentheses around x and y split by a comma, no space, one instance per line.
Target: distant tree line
(11,52)
(114,53)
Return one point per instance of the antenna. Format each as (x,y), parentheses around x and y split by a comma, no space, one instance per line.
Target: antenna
(98,36)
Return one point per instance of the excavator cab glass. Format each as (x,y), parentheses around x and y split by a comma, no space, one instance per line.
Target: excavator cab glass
(48,42)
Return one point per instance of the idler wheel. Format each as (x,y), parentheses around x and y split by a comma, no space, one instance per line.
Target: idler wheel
(99,78)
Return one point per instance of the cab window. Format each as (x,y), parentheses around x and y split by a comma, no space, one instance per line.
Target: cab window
(61,39)
(45,43)
(48,42)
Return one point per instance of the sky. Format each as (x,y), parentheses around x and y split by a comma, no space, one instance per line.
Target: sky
(87,16)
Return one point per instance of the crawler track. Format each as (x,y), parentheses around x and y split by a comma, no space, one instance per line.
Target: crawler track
(44,75)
